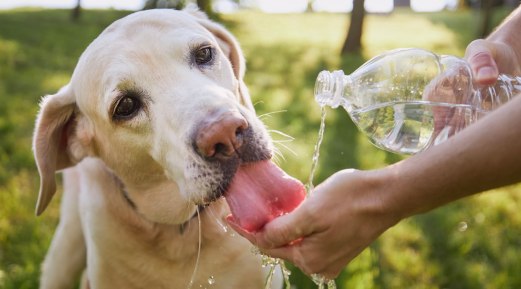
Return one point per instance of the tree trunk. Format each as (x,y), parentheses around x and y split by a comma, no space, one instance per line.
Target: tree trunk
(353,42)
(402,3)
(206,7)
(487,8)
(76,11)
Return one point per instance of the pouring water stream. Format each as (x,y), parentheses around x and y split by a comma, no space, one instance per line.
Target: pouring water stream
(319,280)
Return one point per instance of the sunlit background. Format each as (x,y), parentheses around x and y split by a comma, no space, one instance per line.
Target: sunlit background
(474,243)
(272,6)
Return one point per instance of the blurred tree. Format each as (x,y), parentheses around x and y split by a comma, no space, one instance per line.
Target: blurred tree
(310,6)
(353,42)
(487,8)
(402,3)
(206,6)
(174,4)
(76,11)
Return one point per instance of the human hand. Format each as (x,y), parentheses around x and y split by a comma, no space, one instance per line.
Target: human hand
(488,58)
(340,219)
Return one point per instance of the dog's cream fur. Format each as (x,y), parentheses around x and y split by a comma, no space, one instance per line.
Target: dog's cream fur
(132,186)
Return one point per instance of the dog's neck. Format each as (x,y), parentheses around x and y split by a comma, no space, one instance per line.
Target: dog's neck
(132,205)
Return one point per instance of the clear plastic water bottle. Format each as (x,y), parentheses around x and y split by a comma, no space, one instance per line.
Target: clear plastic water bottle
(407,100)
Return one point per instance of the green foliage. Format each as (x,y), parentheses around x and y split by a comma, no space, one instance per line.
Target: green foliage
(38,51)
(473,243)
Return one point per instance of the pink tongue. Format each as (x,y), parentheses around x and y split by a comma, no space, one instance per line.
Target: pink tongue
(260,192)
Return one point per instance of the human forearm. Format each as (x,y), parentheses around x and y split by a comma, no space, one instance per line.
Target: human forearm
(483,156)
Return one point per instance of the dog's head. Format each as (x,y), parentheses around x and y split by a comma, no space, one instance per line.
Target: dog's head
(159,97)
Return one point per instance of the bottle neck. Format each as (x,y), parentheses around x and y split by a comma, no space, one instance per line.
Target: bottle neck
(330,88)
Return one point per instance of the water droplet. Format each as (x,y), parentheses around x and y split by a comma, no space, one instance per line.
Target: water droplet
(318,279)
(269,261)
(211,280)
(322,281)
(255,250)
(462,226)
(331,284)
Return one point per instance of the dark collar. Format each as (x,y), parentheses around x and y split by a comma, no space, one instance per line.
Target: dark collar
(182,227)
(131,203)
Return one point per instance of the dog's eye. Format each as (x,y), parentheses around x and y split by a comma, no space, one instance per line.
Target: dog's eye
(203,55)
(126,107)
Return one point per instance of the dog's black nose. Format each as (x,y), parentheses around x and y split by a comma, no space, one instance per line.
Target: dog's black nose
(220,135)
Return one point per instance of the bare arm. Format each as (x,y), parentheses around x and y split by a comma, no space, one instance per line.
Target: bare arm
(486,155)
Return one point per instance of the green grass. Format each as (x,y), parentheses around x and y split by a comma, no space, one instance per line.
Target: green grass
(473,243)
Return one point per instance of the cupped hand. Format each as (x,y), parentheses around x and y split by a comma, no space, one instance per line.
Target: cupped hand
(339,220)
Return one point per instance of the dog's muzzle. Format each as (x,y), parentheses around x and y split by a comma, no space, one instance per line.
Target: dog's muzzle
(224,140)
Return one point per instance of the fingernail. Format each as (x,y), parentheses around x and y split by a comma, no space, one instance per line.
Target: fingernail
(486,73)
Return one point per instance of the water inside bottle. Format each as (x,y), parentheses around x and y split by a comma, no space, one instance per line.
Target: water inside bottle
(410,127)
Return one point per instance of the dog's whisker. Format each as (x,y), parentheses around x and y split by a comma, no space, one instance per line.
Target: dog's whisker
(277,159)
(276,151)
(269,114)
(282,140)
(281,134)
(277,144)
(258,102)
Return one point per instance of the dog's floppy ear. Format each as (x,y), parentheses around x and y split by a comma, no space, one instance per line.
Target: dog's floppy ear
(231,47)
(52,140)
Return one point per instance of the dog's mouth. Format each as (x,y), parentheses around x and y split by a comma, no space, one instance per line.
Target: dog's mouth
(260,192)
(255,189)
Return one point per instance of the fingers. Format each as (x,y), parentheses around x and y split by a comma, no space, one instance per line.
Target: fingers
(287,229)
(293,252)
(279,232)
(480,56)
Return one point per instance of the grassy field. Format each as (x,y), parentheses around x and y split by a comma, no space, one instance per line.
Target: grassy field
(473,243)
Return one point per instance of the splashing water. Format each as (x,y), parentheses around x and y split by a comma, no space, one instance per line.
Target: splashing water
(211,280)
(322,281)
(273,263)
(192,278)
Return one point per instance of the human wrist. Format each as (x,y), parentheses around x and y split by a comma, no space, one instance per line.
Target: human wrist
(402,191)
(383,197)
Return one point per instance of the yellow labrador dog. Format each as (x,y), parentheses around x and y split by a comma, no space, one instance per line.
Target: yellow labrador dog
(148,133)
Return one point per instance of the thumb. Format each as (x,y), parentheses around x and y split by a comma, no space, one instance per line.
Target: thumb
(286,229)
(480,56)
